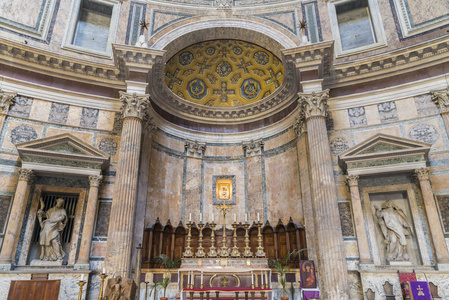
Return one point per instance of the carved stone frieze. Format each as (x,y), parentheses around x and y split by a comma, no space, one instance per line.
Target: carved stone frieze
(441,100)
(194,148)
(314,104)
(149,127)
(422,173)
(253,148)
(352,180)
(134,105)
(300,124)
(26,174)
(224,4)
(95,180)
(6,100)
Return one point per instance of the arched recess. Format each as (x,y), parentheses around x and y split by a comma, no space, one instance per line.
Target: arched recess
(180,236)
(281,240)
(271,36)
(167,241)
(269,242)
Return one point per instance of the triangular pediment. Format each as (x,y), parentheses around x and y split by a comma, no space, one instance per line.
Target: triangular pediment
(384,150)
(65,150)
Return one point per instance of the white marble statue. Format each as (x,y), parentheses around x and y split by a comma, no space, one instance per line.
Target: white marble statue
(141,42)
(394,226)
(51,227)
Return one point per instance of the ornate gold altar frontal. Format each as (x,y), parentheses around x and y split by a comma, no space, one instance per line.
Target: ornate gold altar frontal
(224,73)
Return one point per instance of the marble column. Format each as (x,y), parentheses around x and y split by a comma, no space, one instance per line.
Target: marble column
(441,100)
(332,265)
(441,252)
(12,229)
(89,222)
(359,222)
(6,101)
(123,210)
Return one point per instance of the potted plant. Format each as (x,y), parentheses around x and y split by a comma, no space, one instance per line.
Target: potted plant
(164,284)
(282,268)
(168,264)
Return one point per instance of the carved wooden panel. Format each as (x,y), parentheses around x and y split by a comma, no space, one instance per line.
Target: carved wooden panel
(268,242)
(34,289)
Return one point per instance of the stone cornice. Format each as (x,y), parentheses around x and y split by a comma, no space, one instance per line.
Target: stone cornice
(390,64)
(45,62)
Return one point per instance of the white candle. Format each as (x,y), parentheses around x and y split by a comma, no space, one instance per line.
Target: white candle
(266,278)
(192,281)
(190,216)
(261,278)
(201,217)
(104,271)
(246,218)
(252,278)
(201,277)
(258,217)
(212,217)
(188,279)
(82,277)
(235,218)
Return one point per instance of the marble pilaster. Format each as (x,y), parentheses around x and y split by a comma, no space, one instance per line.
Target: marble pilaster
(359,222)
(12,229)
(441,252)
(441,100)
(123,210)
(89,221)
(6,101)
(333,270)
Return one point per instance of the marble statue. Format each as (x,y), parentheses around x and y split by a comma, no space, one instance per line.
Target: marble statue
(51,227)
(394,226)
(141,42)
(120,289)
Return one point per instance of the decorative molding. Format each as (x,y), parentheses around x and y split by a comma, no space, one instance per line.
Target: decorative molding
(148,126)
(441,100)
(26,174)
(300,124)
(95,180)
(422,174)
(134,105)
(352,180)
(6,100)
(194,148)
(314,104)
(46,62)
(224,4)
(253,148)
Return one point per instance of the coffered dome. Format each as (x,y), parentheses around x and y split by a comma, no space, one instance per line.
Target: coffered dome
(224,73)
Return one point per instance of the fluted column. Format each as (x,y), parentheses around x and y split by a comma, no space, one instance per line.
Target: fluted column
(89,220)
(6,101)
(12,230)
(362,240)
(441,100)
(441,253)
(333,269)
(121,226)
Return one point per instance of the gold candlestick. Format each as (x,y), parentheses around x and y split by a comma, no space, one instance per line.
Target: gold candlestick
(200,252)
(235,250)
(80,283)
(259,252)
(224,251)
(247,250)
(188,251)
(212,249)
(103,277)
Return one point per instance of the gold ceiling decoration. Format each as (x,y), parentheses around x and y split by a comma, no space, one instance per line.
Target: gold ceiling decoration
(224,73)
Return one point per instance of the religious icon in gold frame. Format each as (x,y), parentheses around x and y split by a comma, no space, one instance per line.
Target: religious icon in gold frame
(223,189)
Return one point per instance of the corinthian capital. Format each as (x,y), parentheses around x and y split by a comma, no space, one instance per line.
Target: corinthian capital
(314,104)
(441,99)
(134,105)
(6,100)
(26,174)
(95,180)
(353,180)
(422,173)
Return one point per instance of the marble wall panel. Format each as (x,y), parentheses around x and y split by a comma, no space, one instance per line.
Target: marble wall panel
(8,183)
(279,140)
(283,192)
(351,248)
(228,151)
(75,113)
(193,189)
(443,205)
(388,112)
(211,168)
(40,110)
(406,109)
(343,191)
(69,288)
(118,122)
(427,132)
(439,181)
(255,186)
(89,117)
(357,117)
(169,142)
(426,10)
(347,227)
(341,119)
(425,106)
(107,190)
(109,144)
(98,249)
(22,107)
(372,114)
(360,136)
(165,188)
(19,132)
(59,113)
(102,222)
(84,136)
(105,120)
(5,202)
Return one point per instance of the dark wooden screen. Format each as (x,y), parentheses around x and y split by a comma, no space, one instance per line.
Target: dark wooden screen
(34,290)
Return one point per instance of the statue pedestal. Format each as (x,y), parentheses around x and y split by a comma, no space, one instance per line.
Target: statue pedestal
(400,263)
(46,263)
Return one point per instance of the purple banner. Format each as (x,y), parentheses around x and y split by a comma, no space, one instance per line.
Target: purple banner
(419,290)
(311,295)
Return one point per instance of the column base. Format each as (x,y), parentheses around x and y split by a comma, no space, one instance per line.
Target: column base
(82,267)
(6,266)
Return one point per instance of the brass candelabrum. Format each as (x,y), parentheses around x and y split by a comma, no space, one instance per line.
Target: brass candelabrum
(200,251)
(259,252)
(224,251)
(247,250)
(80,294)
(103,277)
(235,250)
(188,251)
(212,249)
